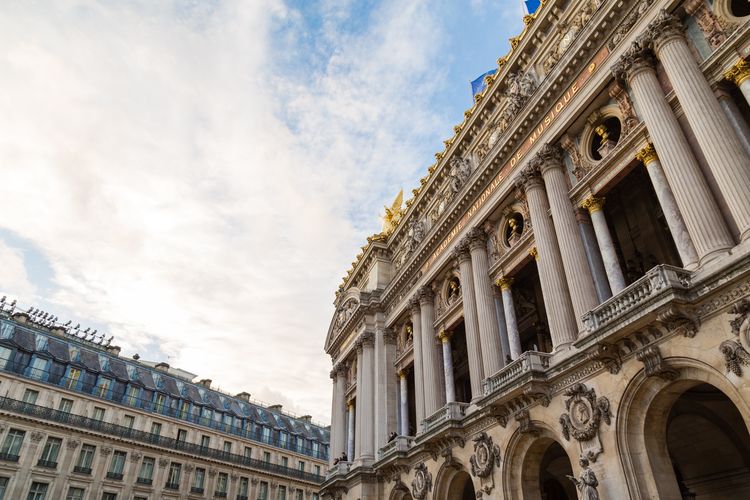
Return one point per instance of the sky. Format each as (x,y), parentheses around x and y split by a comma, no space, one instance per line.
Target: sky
(195,177)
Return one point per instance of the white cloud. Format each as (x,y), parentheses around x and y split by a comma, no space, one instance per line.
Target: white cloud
(190,194)
(13,277)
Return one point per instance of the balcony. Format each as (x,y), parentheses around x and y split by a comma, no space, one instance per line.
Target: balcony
(117,476)
(144,480)
(241,497)
(220,494)
(172,486)
(47,464)
(401,444)
(197,490)
(82,470)
(528,362)
(8,457)
(451,412)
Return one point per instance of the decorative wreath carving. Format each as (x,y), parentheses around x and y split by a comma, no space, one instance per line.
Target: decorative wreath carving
(486,456)
(585,413)
(422,482)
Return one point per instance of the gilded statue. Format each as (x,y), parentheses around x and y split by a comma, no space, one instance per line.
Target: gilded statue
(393,215)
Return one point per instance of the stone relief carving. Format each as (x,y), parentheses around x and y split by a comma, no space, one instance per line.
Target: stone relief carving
(72,444)
(486,456)
(458,173)
(629,118)
(422,483)
(163,462)
(735,352)
(624,28)
(586,482)
(344,313)
(37,436)
(581,166)
(707,22)
(585,413)
(655,366)
(525,425)
(568,32)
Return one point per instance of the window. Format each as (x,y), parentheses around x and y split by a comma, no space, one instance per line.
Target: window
(102,387)
(75,493)
(12,444)
(72,381)
(65,406)
(173,479)
(283,439)
(299,495)
(315,449)
(159,402)
(315,496)
(244,486)
(156,429)
(221,483)
(184,408)
(181,435)
(109,496)
(317,470)
(85,459)
(50,452)
(282,493)
(117,465)
(146,474)
(266,434)
(266,456)
(98,413)
(38,491)
(205,441)
(248,452)
(263,491)
(227,447)
(128,421)
(199,478)
(3,486)
(301,465)
(284,462)
(131,395)
(30,396)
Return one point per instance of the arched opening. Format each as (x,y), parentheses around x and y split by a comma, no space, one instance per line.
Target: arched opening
(400,493)
(461,487)
(739,8)
(605,138)
(704,423)
(545,470)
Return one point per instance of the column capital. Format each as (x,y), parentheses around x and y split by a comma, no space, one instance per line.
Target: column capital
(445,336)
(534,253)
(664,28)
(461,252)
(477,238)
(647,154)
(389,336)
(638,57)
(549,157)
(367,339)
(414,304)
(529,177)
(504,282)
(593,204)
(402,374)
(350,404)
(738,73)
(426,295)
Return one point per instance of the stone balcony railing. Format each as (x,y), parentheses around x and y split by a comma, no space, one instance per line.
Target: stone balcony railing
(401,444)
(659,279)
(528,362)
(450,412)
(341,468)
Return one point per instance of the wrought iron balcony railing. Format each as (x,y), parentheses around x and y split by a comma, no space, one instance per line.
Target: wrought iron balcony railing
(8,457)
(144,480)
(82,470)
(47,464)
(80,422)
(117,476)
(172,486)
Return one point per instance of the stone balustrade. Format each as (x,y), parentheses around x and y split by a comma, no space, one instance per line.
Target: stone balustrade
(450,412)
(401,444)
(529,361)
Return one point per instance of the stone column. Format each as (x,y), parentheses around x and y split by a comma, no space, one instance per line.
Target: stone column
(404,401)
(338,418)
(366,394)
(358,404)
(701,214)
(580,283)
(433,376)
(471,322)
(350,431)
(724,154)
(734,115)
(606,245)
(514,338)
(593,255)
(489,334)
(386,394)
(497,295)
(739,74)
(450,387)
(254,488)
(562,324)
(416,323)
(672,214)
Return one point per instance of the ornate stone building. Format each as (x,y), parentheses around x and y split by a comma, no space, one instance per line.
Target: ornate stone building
(562,309)
(78,422)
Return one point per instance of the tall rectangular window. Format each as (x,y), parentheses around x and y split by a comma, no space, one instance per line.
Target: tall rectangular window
(227,447)
(300,495)
(86,458)
(156,428)
(12,444)
(173,479)
(128,421)
(72,381)
(221,483)
(248,452)
(266,456)
(3,487)
(98,413)
(38,491)
(146,474)
(284,462)
(159,402)
(109,496)
(29,396)
(263,491)
(75,493)
(50,452)
(317,470)
(199,478)
(65,406)
(117,465)
(205,441)
(301,465)
(102,387)
(282,493)
(131,395)
(181,435)
(244,486)
(184,408)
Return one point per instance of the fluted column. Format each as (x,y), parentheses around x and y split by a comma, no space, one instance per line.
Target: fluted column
(404,402)
(358,405)
(672,214)
(350,431)
(606,245)
(514,338)
(338,423)
(471,323)
(724,153)
(386,392)
(593,255)
(699,209)
(450,387)
(416,322)
(367,396)
(739,74)
(497,295)
(434,395)
(580,283)
(562,324)
(489,336)
(734,115)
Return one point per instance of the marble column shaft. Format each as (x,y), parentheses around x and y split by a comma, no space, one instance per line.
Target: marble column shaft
(514,338)
(386,386)
(416,321)
(593,256)
(367,417)
(580,283)
(434,393)
(560,318)
(724,154)
(404,402)
(450,386)
(471,323)
(668,204)
(350,432)
(358,407)
(497,294)
(734,115)
(338,419)
(489,335)
(696,203)
(606,245)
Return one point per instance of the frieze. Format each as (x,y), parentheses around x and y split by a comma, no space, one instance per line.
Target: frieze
(735,352)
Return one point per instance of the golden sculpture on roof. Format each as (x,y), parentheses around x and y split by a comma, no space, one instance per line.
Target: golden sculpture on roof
(393,215)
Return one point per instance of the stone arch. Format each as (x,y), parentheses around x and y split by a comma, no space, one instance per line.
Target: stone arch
(521,469)
(400,492)
(598,117)
(451,481)
(646,404)
(730,9)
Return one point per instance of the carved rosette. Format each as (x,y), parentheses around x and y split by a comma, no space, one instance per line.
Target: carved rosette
(422,483)
(72,444)
(585,413)
(163,462)
(486,456)
(36,436)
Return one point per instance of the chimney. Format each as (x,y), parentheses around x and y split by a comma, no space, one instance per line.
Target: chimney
(114,349)
(163,367)
(306,418)
(275,407)
(206,382)
(244,396)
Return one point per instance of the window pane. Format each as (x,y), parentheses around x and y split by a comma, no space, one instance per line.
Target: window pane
(3,486)
(38,491)
(147,469)
(66,405)
(51,449)
(30,396)
(75,494)
(86,458)
(13,441)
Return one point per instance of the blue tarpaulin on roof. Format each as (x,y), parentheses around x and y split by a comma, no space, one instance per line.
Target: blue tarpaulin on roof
(478,85)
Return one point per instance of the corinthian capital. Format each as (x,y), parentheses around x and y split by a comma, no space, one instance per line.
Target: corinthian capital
(367,339)
(425,295)
(550,156)
(530,175)
(664,28)
(637,58)
(461,252)
(477,238)
(738,73)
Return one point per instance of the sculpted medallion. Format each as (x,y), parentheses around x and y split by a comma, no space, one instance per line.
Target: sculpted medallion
(585,412)
(422,482)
